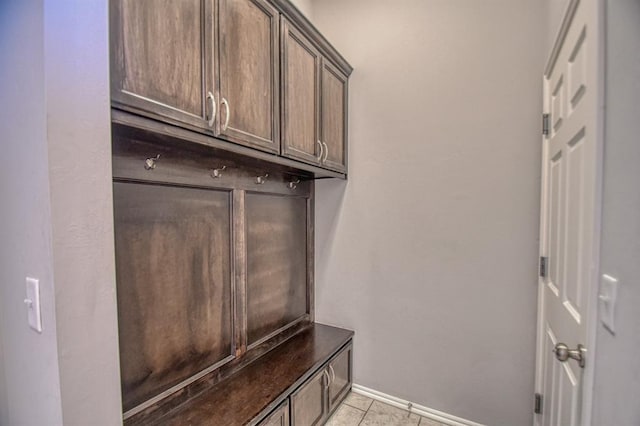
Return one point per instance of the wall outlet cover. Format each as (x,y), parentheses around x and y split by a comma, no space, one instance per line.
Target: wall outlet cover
(33,304)
(608,295)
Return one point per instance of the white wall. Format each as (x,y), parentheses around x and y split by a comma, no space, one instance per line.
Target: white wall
(4,402)
(57,216)
(429,251)
(305,6)
(30,360)
(617,381)
(555,10)
(79,139)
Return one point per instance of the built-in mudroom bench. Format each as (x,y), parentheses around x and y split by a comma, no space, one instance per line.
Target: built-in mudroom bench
(224,113)
(301,381)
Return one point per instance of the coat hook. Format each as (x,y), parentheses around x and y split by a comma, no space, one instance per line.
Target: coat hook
(150,163)
(216,173)
(293,184)
(262,179)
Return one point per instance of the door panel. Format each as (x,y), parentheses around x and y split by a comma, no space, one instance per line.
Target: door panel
(341,377)
(569,232)
(333,128)
(308,404)
(300,96)
(249,73)
(161,57)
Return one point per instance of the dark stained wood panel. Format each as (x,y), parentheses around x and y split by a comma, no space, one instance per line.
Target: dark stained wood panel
(276,246)
(161,57)
(308,405)
(246,397)
(280,417)
(342,377)
(334,116)
(173,271)
(249,64)
(300,96)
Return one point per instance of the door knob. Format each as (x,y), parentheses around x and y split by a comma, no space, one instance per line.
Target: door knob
(563,353)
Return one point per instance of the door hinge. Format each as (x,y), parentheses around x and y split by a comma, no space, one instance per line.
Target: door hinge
(544,261)
(545,124)
(538,404)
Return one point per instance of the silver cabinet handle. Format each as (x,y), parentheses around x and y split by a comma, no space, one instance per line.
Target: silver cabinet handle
(226,120)
(212,118)
(333,373)
(319,158)
(326,375)
(326,152)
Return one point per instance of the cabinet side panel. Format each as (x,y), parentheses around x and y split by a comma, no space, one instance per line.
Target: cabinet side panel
(276,238)
(174,285)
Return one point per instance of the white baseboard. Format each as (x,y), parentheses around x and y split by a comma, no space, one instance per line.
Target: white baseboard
(420,410)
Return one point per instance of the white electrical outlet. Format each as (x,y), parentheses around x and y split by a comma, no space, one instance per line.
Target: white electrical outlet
(33,304)
(608,295)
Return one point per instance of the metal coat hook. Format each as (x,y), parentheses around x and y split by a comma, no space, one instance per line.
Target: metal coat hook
(150,163)
(216,173)
(262,179)
(293,184)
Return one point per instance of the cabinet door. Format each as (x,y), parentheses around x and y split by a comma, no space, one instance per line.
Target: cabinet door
(341,376)
(249,70)
(280,417)
(308,404)
(300,96)
(161,58)
(333,128)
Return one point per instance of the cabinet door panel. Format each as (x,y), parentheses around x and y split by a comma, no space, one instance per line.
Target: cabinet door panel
(334,117)
(341,374)
(249,70)
(308,404)
(300,96)
(159,57)
(276,247)
(280,417)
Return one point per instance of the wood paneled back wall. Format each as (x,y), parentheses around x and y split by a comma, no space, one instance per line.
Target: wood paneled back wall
(208,268)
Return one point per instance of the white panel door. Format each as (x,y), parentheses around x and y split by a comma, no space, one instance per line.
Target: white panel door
(569,217)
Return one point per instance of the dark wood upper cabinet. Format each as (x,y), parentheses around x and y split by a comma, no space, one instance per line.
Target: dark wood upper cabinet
(161,58)
(254,73)
(314,104)
(248,100)
(333,121)
(300,96)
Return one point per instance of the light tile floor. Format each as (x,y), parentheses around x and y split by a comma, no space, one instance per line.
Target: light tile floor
(358,410)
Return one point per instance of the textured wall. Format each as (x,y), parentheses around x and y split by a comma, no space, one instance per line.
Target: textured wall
(78,131)
(617,380)
(429,251)
(29,392)
(305,6)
